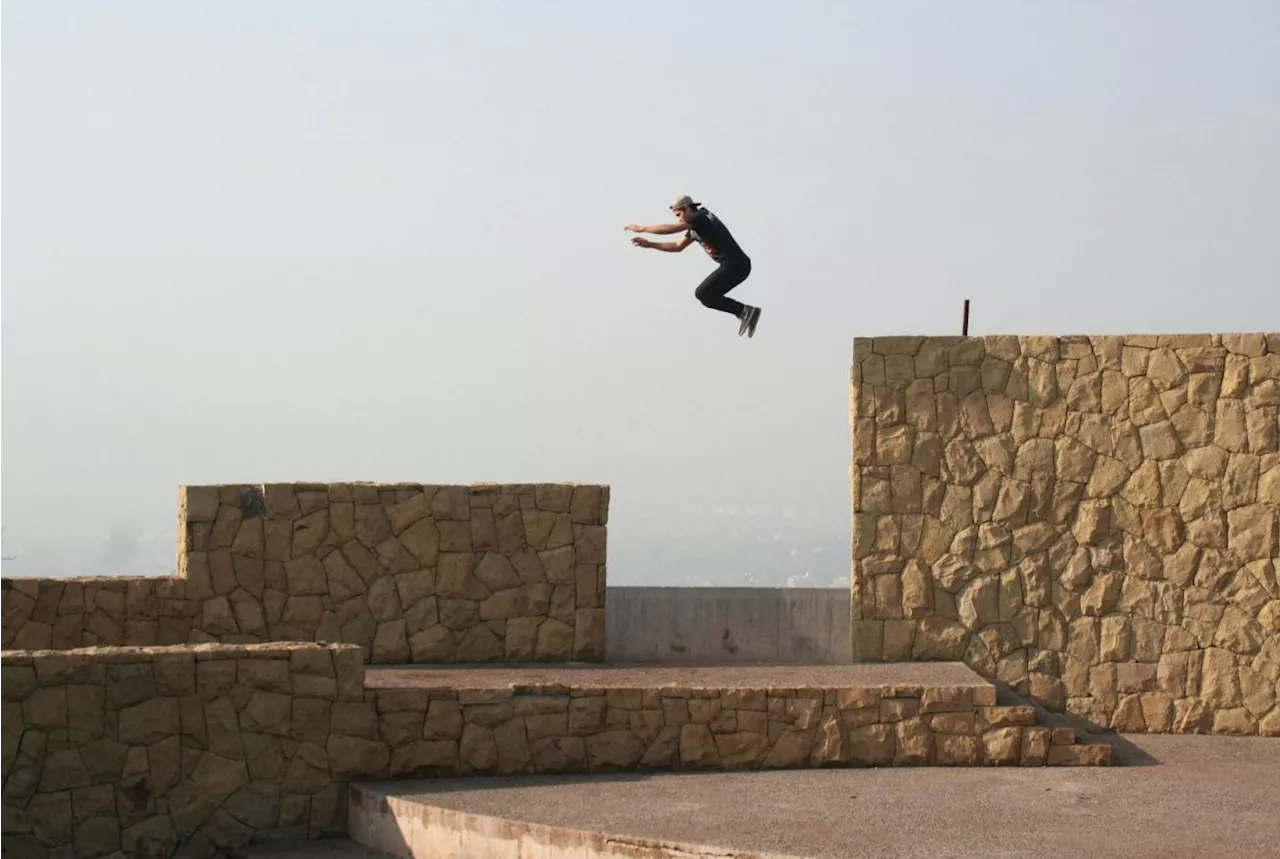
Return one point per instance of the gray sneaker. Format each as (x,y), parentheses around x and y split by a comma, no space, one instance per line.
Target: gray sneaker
(753,319)
(745,320)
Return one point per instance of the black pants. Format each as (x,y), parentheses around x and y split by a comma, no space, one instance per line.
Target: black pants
(712,291)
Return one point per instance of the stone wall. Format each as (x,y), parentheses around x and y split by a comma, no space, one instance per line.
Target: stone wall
(138,751)
(1092,520)
(133,751)
(63,614)
(410,573)
(560,730)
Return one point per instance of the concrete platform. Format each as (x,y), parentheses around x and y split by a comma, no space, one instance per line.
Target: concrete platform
(324,848)
(1178,797)
(909,677)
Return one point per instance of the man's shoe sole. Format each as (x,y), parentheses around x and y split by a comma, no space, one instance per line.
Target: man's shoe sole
(754,320)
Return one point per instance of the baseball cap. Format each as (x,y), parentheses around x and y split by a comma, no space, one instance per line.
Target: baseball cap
(685,202)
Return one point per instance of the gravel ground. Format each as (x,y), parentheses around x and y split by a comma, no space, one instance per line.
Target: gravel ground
(1179,797)
(649,676)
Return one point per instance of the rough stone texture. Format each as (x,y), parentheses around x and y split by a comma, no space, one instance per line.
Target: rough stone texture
(147,750)
(605,719)
(410,573)
(1091,520)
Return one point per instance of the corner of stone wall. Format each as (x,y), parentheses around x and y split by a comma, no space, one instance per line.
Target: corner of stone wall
(411,572)
(1093,520)
(407,572)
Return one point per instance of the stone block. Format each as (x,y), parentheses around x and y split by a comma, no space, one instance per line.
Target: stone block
(915,742)
(958,750)
(1093,754)
(1002,746)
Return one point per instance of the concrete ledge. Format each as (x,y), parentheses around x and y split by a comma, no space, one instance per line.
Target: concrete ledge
(407,828)
(910,677)
(325,848)
(1183,797)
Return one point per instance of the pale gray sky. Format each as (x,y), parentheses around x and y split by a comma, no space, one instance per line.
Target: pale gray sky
(253,241)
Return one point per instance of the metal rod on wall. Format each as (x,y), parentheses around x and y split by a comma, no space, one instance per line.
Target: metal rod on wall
(964,328)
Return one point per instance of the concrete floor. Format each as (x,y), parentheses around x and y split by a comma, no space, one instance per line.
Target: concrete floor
(655,676)
(1179,796)
(329,848)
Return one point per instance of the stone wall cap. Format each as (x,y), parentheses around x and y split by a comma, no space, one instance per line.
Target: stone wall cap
(318,487)
(201,652)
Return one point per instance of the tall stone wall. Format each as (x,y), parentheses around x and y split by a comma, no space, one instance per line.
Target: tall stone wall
(410,573)
(1092,520)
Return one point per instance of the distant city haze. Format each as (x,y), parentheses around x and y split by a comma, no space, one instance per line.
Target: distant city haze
(294,241)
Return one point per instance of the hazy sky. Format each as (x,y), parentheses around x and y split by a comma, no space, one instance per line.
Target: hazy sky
(272,241)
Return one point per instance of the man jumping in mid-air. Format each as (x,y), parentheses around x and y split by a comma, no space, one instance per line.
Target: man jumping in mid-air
(699,225)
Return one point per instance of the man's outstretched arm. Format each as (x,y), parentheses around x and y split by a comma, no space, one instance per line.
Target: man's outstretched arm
(657,229)
(670,247)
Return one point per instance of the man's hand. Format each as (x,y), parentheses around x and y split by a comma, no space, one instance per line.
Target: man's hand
(657,229)
(670,247)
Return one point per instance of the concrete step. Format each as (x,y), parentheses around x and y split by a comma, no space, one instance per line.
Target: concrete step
(402,819)
(325,848)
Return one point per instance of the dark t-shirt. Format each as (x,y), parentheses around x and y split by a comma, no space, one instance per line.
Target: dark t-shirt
(710,232)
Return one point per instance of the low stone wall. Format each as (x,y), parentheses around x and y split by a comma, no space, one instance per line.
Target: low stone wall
(134,751)
(560,730)
(1092,520)
(410,573)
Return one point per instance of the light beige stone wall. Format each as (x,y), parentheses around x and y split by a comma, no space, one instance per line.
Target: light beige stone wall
(554,729)
(410,573)
(131,752)
(1092,520)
